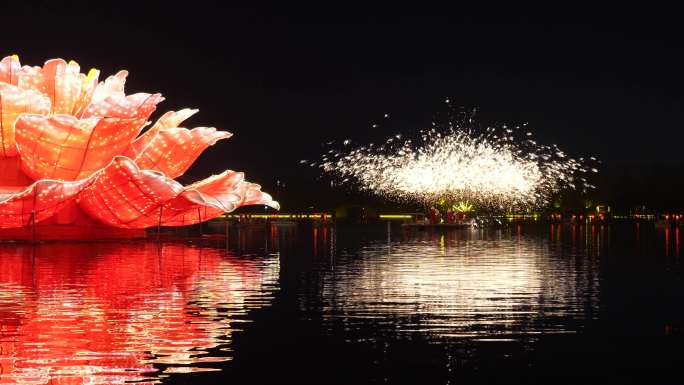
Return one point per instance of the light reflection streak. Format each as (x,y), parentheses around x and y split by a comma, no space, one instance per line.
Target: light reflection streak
(109,314)
(677,241)
(462,283)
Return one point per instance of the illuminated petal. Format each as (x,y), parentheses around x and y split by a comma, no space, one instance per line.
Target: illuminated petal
(201,201)
(43,199)
(252,195)
(205,199)
(9,70)
(214,188)
(12,179)
(67,148)
(122,195)
(112,86)
(173,150)
(69,90)
(136,105)
(212,197)
(125,196)
(170,119)
(15,101)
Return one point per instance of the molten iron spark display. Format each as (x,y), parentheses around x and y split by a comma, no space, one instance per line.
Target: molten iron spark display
(73,156)
(492,168)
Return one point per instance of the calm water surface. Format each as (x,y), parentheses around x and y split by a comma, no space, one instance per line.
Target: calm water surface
(365,304)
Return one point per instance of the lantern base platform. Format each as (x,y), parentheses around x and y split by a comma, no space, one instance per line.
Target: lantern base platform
(55,232)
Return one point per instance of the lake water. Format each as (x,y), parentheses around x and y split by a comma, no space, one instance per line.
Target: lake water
(371,304)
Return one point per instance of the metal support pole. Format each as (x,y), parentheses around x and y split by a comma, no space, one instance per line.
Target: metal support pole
(159,223)
(199,219)
(33,224)
(33,215)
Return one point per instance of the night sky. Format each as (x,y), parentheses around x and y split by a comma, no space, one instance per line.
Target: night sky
(286,80)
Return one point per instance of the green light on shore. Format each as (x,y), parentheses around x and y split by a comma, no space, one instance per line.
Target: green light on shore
(395,216)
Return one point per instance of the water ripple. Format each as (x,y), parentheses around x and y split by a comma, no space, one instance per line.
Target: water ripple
(115,313)
(461,284)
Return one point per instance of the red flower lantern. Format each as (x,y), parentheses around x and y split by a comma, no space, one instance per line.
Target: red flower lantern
(73,161)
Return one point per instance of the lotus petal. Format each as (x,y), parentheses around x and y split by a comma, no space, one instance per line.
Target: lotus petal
(136,105)
(252,195)
(204,200)
(123,195)
(212,197)
(67,148)
(219,190)
(112,86)
(69,90)
(173,150)
(15,101)
(170,119)
(12,179)
(38,202)
(9,69)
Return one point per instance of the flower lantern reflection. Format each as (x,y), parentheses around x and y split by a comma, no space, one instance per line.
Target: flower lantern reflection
(72,156)
(110,313)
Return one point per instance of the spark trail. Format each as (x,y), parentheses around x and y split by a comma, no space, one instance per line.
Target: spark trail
(494,168)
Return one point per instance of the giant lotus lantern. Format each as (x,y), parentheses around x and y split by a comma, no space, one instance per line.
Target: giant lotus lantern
(75,162)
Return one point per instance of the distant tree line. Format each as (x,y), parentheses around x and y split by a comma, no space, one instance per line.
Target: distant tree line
(654,188)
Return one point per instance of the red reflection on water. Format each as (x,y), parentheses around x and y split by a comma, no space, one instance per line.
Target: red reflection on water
(573,230)
(677,241)
(667,241)
(556,233)
(637,230)
(275,237)
(105,314)
(315,241)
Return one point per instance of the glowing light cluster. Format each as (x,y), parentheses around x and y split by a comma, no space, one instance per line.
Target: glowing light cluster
(491,168)
(71,143)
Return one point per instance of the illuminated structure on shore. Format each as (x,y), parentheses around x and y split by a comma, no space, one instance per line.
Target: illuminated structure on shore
(74,163)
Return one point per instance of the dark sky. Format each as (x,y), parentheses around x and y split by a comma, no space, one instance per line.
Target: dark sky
(285,80)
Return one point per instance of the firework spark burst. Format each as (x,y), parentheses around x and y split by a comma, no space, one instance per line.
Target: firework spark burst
(493,168)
